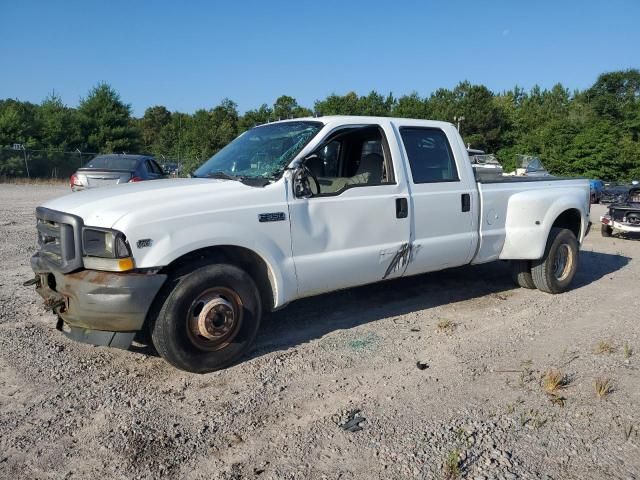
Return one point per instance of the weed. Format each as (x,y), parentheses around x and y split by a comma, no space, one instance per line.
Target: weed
(533,417)
(526,375)
(603,386)
(556,399)
(554,380)
(446,326)
(605,346)
(451,467)
(538,422)
(524,419)
(627,350)
(628,430)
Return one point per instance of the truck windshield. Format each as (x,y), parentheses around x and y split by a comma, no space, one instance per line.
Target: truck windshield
(260,152)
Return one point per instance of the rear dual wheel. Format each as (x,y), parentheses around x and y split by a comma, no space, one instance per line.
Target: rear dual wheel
(554,272)
(521,273)
(209,318)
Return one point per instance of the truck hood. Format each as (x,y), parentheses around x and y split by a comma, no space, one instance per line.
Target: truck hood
(103,207)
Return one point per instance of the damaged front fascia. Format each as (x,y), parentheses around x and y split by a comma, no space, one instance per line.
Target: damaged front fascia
(400,260)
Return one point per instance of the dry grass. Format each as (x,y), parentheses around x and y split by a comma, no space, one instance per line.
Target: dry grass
(603,387)
(451,467)
(446,326)
(627,350)
(554,380)
(605,346)
(33,181)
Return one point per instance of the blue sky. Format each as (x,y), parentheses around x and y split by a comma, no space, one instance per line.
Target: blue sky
(190,54)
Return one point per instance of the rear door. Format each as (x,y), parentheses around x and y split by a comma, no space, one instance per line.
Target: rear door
(444,203)
(356,229)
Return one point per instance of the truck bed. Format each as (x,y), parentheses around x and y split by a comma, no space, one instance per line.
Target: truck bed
(489,177)
(523,207)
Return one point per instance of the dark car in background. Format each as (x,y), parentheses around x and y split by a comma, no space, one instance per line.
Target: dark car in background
(623,215)
(613,193)
(113,169)
(172,168)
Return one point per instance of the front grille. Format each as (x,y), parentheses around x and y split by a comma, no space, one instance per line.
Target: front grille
(59,239)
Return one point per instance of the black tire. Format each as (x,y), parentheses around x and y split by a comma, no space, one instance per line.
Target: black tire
(233,309)
(606,230)
(521,273)
(554,272)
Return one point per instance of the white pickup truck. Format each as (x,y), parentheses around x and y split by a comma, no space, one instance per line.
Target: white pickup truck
(289,210)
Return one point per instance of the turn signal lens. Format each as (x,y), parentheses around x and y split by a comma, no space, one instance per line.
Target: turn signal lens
(125,264)
(108,264)
(135,179)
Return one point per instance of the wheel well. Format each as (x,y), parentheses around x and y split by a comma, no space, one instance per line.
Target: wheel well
(571,220)
(241,257)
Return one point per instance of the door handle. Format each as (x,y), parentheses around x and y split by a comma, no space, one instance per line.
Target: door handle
(402,208)
(466,202)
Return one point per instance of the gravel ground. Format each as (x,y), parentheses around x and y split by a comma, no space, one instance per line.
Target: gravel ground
(442,373)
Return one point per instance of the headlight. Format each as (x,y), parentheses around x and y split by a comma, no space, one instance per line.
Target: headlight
(105,249)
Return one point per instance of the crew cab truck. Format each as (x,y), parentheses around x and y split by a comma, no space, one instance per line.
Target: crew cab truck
(289,210)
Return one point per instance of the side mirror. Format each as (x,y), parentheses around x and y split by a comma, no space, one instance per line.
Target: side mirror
(301,185)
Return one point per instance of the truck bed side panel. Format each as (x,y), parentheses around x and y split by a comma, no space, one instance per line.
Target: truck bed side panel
(516,217)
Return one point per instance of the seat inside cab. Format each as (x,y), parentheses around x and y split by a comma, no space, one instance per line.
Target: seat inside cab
(350,157)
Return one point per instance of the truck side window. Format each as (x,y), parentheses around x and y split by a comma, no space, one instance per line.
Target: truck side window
(430,155)
(355,158)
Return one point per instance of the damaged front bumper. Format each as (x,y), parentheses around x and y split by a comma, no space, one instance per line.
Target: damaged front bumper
(624,227)
(101,308)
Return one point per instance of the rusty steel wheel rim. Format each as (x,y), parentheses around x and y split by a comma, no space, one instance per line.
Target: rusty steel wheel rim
(214,318)
(562,262)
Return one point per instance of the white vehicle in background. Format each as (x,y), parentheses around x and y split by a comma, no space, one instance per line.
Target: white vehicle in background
(485,164)
(289,210)
(529,166)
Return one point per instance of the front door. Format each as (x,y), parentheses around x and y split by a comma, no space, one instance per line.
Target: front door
(355,229)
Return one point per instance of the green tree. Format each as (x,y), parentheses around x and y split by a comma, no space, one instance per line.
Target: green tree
(151,125)
(287,107)
(338,105)
(18,123)
(106,122)
(59,125)
(251,118)
(410,106)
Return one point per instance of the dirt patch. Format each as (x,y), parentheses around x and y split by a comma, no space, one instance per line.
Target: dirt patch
(484,404)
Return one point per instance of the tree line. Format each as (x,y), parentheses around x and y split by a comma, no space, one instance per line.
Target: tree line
(593,133)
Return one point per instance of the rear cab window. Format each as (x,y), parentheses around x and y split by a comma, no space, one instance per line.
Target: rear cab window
(430,156)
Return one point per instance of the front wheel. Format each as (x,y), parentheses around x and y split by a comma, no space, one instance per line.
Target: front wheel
(554,272)
(209,319)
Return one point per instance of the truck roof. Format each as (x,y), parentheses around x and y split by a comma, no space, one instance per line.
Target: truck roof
(350,119)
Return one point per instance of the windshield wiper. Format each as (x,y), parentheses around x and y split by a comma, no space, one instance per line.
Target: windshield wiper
(224,176)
